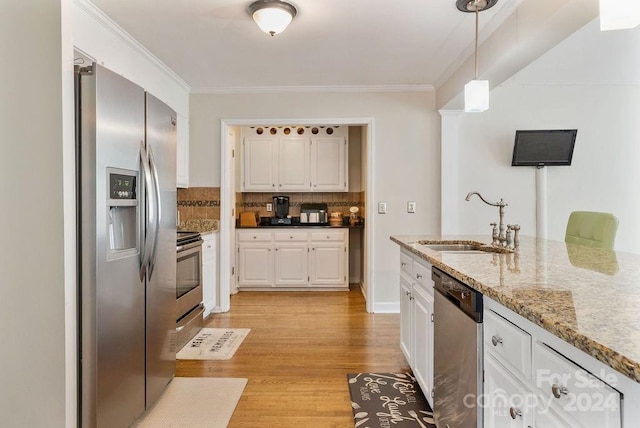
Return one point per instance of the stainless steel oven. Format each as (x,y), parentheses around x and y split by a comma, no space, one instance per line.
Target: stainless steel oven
(188,286)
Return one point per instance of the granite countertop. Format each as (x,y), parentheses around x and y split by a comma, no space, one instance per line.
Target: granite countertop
(203,225)
(588,297)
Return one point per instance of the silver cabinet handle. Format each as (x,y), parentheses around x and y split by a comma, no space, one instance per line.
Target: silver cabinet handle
(514,412)
(157,197)
(418,276)
(559,391)
(407,293)
(145,251)
(403,264)
(496,340)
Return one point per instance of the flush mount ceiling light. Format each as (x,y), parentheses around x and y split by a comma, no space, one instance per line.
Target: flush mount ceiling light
(272,16)
(476,92)
(619,14)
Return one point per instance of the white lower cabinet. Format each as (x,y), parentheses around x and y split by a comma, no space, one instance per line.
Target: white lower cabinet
(577,396)
(293,258)
(291,265)
(416,319)
(507,402)
(255,264)
(328,265)
(406,319)
(209,273)
(527,383)
(423,339)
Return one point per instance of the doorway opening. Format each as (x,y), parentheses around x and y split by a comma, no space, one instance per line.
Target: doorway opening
(361,151)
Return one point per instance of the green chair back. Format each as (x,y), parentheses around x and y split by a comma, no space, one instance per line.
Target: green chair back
(592,229)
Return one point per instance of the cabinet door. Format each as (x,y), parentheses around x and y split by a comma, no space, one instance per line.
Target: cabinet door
(291,265)
(182,152)
(406,319)
(329,164)
(255,265)
(260,164)
(328,265)
(294,164)
(209,280)
(422,363)
(507,402)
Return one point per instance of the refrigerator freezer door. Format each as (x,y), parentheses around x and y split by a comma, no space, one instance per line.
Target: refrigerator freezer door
(112,294)
(161,283)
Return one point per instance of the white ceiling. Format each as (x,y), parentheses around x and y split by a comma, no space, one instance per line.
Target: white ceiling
(215,46)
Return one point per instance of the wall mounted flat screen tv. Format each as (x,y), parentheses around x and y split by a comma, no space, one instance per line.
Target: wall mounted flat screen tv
(542,148)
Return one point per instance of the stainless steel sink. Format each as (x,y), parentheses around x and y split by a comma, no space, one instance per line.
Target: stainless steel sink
(462,247)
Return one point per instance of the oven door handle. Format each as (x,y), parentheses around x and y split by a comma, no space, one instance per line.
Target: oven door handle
(149,210)
(156,197)
(190,245)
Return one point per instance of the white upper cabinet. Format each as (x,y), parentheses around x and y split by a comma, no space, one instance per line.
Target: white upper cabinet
(293,164)
(329,164)
(182,152)
(303,159)
(260,157)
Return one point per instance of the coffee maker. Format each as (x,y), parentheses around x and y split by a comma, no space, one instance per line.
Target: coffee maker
(281,210)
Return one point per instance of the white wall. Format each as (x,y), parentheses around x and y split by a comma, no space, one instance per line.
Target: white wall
(591,82)
(33,280)
(406,158)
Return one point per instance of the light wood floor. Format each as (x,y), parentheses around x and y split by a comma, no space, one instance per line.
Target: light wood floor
(298,353)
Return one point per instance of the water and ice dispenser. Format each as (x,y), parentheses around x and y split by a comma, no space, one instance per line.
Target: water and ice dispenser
(123,215)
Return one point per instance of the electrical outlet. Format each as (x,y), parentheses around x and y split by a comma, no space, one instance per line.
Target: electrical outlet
(269,207)
(382,207)
(411,207)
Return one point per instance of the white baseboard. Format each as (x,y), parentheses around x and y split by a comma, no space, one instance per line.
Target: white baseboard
(386,308)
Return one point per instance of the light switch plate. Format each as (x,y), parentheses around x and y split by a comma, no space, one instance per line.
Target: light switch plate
(411,207)
(269,207)
(382,207)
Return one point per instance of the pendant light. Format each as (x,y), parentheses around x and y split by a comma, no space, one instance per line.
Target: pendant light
(619,14)
(476,92)
(272,16)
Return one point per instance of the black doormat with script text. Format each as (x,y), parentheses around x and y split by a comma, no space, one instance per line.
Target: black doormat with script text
(383,400)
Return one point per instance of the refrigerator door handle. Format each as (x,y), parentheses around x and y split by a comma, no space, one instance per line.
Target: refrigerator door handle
(157,200)
(149,209)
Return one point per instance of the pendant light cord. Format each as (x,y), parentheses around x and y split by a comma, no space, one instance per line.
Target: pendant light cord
(476,47)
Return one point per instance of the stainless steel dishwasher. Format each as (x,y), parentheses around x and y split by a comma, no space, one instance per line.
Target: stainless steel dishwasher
(457,365)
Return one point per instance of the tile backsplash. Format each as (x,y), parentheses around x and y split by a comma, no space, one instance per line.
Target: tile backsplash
(197,203)
(336,201)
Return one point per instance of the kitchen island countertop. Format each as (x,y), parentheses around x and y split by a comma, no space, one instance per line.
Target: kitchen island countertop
(587,297)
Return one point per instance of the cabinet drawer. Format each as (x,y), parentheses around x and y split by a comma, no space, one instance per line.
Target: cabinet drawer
(508,343)
(327,236)
(422,275)
(291,236)
(575,394)
(254,237)
(406,264)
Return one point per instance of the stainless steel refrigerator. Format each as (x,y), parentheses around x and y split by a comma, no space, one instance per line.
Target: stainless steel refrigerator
(126,199)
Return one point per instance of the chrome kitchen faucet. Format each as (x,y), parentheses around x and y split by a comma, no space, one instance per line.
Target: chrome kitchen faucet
(500,237)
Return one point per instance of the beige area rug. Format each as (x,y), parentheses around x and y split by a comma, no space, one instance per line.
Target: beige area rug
(194,402)
(213,344)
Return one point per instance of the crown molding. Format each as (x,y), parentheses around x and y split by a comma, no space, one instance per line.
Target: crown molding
(99,16)
(312,89)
